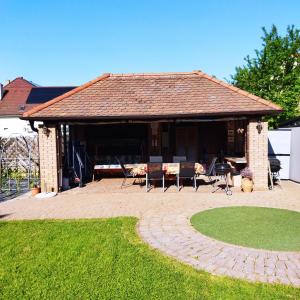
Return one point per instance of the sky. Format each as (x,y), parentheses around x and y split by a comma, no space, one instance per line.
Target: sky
(71,42)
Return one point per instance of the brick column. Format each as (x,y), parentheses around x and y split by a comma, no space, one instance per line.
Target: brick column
(48,149)
(257,153)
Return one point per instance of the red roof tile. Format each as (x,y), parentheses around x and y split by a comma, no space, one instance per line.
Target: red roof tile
(22,95)
(15,95)
(150,96)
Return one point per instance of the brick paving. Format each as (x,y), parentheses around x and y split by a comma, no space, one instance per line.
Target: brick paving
(164,223)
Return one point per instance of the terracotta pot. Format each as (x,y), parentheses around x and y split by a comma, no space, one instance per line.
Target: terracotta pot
(247,185)
(35,191)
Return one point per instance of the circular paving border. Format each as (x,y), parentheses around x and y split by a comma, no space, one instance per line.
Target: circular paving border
(169,230)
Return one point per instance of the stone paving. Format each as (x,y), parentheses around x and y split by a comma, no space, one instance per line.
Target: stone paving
(164,223)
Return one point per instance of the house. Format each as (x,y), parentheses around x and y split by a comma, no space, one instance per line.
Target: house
(136,115)
(17,97)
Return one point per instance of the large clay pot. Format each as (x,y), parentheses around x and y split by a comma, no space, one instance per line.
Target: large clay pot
(35,191)
(247,185)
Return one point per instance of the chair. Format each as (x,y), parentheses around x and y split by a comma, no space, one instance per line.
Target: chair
(156,159)
(154,172)
(211,170)
(126,174)
(178,159)
(186,171)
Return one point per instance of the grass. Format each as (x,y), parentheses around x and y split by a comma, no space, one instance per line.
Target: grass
(105,259)
(257,227)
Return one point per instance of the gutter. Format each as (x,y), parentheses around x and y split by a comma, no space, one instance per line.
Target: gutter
(153,117)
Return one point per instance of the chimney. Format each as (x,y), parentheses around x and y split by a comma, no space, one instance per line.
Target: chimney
(1,91)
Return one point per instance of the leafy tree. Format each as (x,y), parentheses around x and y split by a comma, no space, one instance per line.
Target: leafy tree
(274,72)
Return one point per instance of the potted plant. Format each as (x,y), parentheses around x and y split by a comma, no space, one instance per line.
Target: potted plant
(35,189)
(247,180)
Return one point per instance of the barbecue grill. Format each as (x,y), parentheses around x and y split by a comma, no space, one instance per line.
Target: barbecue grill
(222,170)
(275,167)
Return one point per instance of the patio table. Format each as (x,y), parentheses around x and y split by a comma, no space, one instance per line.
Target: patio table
(233,162)
(140,169)
(169,169)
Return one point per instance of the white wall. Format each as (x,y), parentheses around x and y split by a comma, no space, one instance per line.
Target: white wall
(14,126)
(295,155)
(280,148)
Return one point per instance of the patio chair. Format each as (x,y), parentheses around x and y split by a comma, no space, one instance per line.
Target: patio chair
(178,159)
(156,159)
(126,174)
(211,170)
(154,173)
(186,171)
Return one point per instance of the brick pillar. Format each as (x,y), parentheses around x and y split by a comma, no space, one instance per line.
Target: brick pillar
(48,149)
(257,153)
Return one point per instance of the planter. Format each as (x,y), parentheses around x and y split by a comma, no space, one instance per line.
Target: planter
(35,191)
(247,185)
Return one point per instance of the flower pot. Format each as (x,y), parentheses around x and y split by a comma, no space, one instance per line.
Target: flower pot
(35,191)
(247,185)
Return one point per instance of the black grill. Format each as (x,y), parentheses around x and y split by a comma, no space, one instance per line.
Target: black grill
(222,169)
(275,165)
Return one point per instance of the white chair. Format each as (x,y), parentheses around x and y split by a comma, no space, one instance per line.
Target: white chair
(178,159)
(156,159)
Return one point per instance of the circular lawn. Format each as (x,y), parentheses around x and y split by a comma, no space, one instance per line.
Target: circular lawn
(256,227)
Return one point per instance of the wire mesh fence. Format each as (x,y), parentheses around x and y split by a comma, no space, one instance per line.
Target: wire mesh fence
(19,164)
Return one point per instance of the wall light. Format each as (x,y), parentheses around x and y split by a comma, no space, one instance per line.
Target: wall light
(259,127)
(46,130)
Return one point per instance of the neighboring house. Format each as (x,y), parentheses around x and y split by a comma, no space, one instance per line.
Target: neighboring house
(13,97)
(134,116)
(19,96)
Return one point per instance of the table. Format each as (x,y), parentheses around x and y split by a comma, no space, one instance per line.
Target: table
(234,160)
(140,169)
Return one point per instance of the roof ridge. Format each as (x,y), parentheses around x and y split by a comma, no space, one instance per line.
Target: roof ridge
(238,90)
(61,97)
(54,86)
(20,78)
(150,74)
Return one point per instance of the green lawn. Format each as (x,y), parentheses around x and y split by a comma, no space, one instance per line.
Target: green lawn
(257,227)
(105,259)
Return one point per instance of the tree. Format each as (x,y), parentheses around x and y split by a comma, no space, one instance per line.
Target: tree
(274,72)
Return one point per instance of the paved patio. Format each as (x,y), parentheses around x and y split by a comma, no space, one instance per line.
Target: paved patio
(164,224)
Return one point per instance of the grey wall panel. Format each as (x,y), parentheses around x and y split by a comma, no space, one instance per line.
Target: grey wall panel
(295,154)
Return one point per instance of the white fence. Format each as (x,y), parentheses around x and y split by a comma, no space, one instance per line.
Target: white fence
(295,155)
(284,144)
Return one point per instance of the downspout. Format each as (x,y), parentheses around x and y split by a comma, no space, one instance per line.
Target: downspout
(31,123)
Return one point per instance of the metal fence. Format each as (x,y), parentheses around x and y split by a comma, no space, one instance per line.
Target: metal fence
(19,164)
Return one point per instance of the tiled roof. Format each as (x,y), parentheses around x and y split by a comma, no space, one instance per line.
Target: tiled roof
(15,95)
(152,95)
(22,95)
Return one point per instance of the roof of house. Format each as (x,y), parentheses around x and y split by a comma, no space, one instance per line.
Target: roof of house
(15,96)
(21,95)
(125,96)
(295,122)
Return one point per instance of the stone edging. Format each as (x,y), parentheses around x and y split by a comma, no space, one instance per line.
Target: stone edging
(174,235)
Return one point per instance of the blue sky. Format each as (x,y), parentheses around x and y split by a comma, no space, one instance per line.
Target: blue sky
(70,42)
